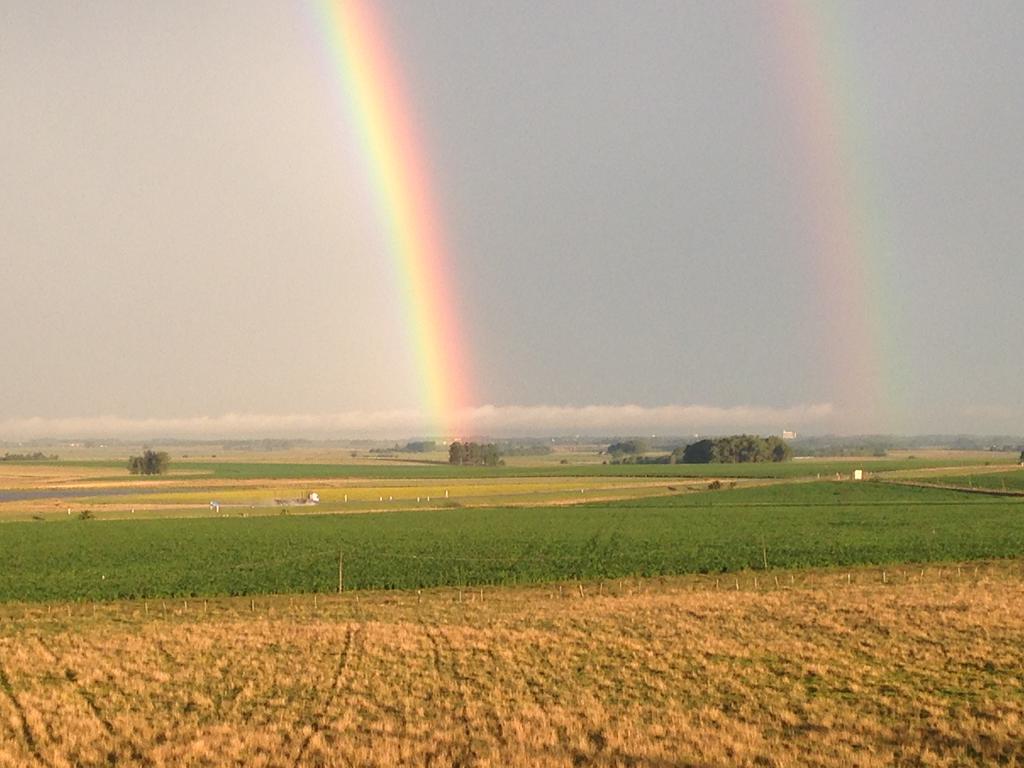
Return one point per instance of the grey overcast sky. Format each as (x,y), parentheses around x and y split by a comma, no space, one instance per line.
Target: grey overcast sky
(642,202)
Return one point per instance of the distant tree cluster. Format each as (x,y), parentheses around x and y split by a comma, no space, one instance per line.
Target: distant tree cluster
(37,456)
(149,463)
(420,446)
(736,449)
(474,454)
(664,458)
(265,444)
(627,448)
(414,446)
(509,448)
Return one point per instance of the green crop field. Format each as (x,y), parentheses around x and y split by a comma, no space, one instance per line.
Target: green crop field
(1012,480)
(808,524)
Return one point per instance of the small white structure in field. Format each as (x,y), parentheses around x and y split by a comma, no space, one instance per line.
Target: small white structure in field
(313,498)
(858,474)
(215,506)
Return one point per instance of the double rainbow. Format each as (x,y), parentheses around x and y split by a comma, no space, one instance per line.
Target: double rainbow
(382,114)
(833,174)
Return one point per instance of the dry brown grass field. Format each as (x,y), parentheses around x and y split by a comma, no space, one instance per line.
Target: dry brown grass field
(794,669)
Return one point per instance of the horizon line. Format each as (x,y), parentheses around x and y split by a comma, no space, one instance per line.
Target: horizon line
(499,421)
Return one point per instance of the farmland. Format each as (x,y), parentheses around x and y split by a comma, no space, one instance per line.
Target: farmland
(824,670)
(263,485)
(576,465)
(544,614)
(784,525)
(1008,479)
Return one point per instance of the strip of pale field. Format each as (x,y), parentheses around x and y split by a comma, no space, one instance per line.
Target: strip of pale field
(176,498)
(19,475)
(397,490)
(819,668)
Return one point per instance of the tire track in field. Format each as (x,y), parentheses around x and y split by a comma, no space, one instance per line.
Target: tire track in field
(137,752)
(494,722)
(47,726)
(353,638)
(47,651)
(26,730)
(169,657)
(443,659)
(541,698)
(91,702)
(71,675)
(534,687)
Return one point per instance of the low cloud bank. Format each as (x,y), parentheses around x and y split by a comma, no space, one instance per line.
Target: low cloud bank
(491,420)
(638,419)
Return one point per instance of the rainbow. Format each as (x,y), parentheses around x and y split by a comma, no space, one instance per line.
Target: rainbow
(840,190)
(383,117)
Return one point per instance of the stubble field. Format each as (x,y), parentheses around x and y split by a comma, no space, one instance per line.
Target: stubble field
(812,668)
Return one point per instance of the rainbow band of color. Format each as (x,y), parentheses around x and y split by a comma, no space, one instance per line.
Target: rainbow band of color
(841,191)
(383,117)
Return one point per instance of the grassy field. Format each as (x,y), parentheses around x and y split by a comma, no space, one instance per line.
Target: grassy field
(806,524)
(1004,479)
(924,670)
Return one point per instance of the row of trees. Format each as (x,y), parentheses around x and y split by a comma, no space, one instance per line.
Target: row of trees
(474,454)
(37,456)
(149,463)
(735,449)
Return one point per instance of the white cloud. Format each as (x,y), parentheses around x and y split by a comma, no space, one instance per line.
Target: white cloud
(492,420)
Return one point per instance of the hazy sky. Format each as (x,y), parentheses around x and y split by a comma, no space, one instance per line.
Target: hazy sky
(636,197)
